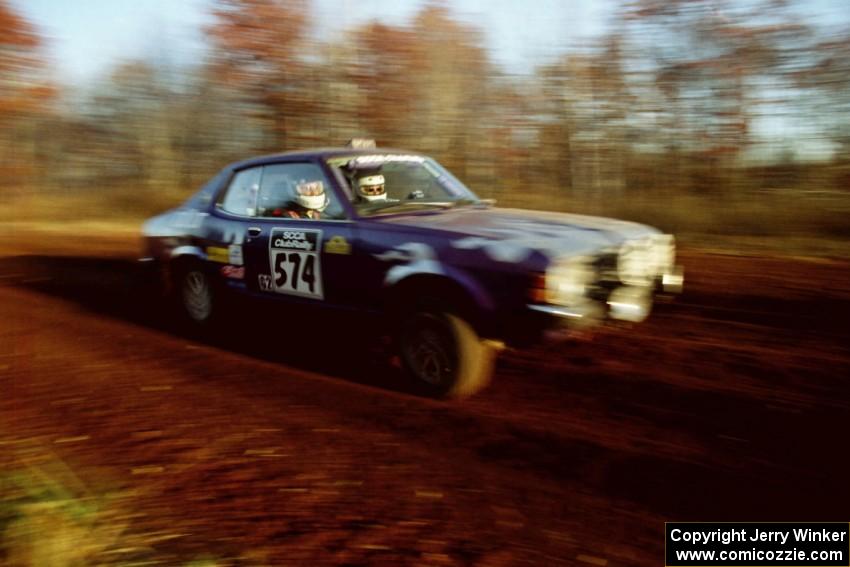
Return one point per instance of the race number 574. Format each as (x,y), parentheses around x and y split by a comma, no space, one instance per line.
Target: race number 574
(295,272)
(295,265)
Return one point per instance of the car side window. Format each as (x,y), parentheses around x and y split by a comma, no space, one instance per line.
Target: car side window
(205,196)
(297,191)
(241,195)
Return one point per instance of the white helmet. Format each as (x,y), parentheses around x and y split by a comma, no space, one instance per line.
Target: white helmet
(371,188)
(311,195)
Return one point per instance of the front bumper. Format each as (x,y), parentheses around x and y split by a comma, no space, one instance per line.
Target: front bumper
(626,303)
(631,304)
(587,314)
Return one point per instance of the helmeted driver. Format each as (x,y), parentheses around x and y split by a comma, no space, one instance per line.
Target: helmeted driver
(371,188)
(310,200)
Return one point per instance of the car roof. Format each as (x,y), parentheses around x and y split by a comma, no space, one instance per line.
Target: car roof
(322,153)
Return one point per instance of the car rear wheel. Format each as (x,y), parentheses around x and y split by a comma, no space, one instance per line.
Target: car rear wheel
(196,295)
(444,354)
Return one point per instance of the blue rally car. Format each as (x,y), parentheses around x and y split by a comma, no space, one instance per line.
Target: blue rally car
(393,233)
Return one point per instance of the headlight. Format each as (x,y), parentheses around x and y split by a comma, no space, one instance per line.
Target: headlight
(640,262)
(664,251)
(634,263)
(567,280)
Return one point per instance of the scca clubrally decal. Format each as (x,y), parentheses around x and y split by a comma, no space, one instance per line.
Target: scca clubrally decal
(295,262)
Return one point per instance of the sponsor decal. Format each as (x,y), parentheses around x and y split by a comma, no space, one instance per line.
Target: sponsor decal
(305,240)
(337,245)
(265,282)
(379,159)
(295,263)
(218,254)
(234,254)
(233,272)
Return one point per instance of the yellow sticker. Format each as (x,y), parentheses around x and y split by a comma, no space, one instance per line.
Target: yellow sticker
(337,245)
(217,254)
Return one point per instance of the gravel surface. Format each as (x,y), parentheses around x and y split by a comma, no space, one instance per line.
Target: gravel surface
(124,440)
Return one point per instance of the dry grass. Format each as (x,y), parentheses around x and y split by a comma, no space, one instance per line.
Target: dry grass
(776,222)
(50,516)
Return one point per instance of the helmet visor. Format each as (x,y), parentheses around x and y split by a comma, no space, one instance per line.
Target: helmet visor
(372,189)
(310,188)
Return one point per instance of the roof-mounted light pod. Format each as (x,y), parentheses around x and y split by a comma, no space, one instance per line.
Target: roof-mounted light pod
(361,144)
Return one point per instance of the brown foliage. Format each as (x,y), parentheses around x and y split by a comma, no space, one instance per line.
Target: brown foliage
(15,32)
(21,91)
(258,51)
(382,71)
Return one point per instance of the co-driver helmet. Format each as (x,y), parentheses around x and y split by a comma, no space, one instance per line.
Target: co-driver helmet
(371,188)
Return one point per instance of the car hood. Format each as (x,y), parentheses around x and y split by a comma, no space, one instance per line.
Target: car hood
(511,234)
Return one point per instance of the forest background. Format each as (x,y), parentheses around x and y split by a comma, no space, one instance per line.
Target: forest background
(719,121)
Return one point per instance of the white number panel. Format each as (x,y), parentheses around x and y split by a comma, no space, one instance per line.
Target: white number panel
(295,263)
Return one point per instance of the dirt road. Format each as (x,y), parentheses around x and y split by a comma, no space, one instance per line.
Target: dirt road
(256,447)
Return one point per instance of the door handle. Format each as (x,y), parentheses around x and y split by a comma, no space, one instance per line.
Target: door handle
(255,231)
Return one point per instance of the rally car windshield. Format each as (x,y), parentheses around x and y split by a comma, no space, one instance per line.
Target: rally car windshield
(409,183)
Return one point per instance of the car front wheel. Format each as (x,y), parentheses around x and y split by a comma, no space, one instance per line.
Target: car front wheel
(443,353)
(196,295)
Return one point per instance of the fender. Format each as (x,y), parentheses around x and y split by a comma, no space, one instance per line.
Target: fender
(482,298)
(182,252)
(174,257)
(418,259)
(459,288)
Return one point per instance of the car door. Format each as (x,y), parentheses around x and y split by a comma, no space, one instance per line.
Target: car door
(222,233)
(292,253)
